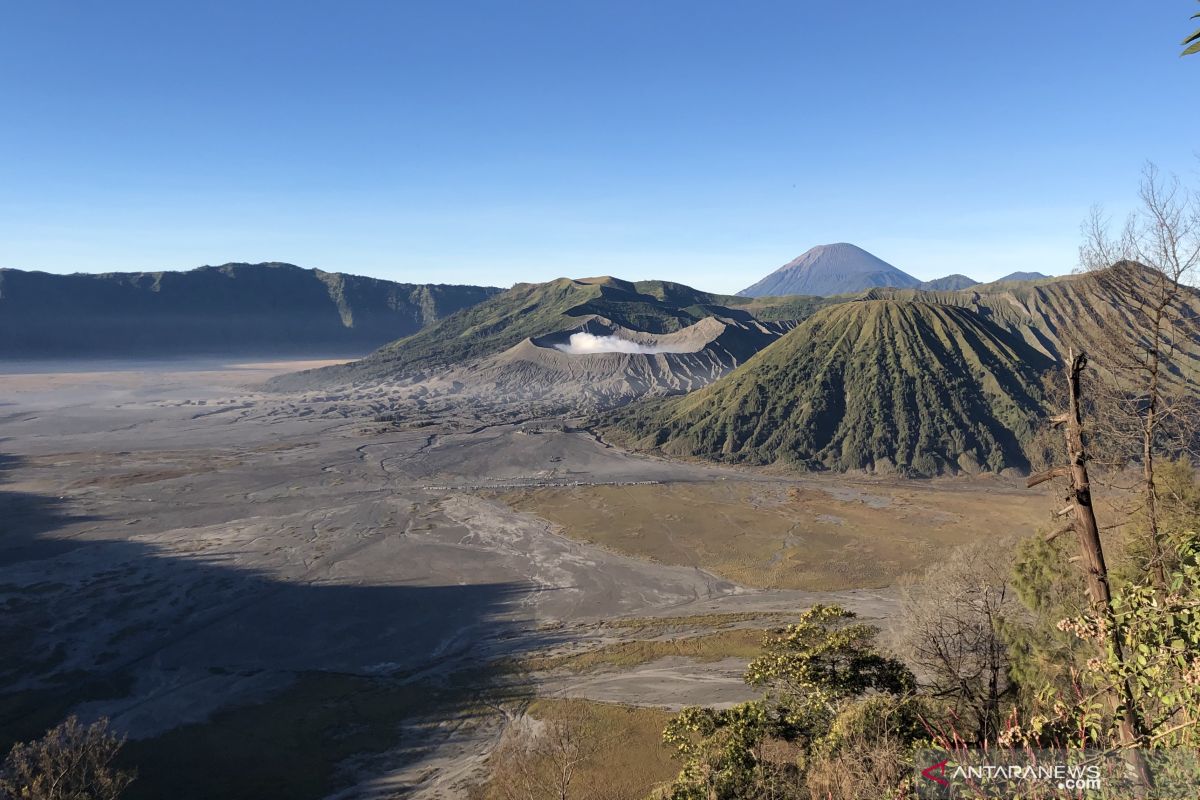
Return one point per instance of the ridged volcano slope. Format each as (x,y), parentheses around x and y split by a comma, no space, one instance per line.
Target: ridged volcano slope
(1083,312)
(918,388)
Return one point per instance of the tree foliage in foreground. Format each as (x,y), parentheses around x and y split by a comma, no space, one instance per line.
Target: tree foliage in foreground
(812,674)
(1160,634)
(71,762)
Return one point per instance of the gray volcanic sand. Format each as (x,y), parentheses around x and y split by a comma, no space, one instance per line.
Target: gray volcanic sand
(195,544)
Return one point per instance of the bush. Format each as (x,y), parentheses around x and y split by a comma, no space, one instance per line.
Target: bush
(71,762)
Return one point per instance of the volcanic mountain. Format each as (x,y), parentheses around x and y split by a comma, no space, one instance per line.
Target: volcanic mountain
(1022,276)
(830,269)
(600,364)
(529,311)
(919,383)
(1053,315)
(918,388)
(950,283)
(244,308)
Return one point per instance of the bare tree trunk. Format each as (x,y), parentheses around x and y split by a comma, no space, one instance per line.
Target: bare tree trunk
(1119,699)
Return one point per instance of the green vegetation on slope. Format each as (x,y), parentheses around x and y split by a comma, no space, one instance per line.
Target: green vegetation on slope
(1053,315)
(767,309)
(916,387)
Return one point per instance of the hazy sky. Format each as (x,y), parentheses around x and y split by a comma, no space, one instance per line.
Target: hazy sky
(495,142)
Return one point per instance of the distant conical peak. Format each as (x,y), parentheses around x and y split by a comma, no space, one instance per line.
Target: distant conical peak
(831,269)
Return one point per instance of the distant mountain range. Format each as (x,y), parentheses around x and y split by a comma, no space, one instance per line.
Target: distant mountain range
(235,308)
(284,309)
(927,378)
(833,269)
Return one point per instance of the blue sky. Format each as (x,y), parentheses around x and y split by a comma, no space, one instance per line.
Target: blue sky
(496,142)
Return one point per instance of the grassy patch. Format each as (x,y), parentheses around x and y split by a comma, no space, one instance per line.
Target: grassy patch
(632,759)
(732,643)
(726,620)
(824,535)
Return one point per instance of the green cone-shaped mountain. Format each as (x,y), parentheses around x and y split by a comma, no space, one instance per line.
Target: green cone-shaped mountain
(916,387)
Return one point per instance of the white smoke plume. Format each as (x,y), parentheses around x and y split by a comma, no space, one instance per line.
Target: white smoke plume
(582,343)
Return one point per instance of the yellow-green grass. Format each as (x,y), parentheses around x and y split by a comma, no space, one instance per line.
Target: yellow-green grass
(631,759)
(697,621)
(819,535)
(732,643)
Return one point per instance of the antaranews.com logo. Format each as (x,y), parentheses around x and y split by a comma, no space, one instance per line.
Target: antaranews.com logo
(986,774)
(977,774)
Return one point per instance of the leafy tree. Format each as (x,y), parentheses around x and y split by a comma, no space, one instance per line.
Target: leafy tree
(813,666)
(726,753)
(811,672)
(1161,636)
(1050,588)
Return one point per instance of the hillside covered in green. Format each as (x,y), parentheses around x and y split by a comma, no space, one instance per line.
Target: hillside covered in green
(918,388)
(243,308)
(910,381)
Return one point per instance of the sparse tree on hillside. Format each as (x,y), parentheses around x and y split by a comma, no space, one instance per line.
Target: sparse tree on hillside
(542,761)
(1148,404)
(867,753)
(71,762)
(1148,650)
(950,630)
